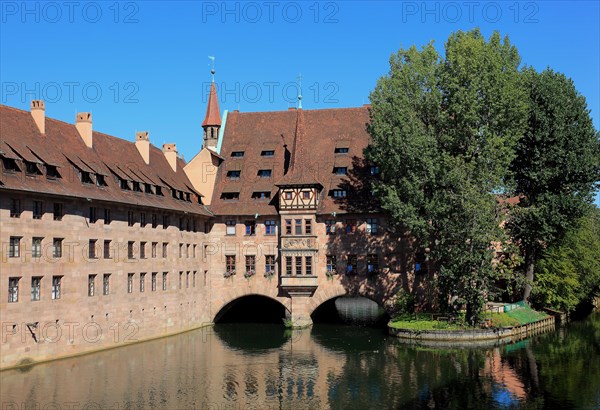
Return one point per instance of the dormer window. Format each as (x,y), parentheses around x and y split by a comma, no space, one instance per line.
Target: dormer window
(264,173)
(237,154)
(261,195)
(137,187)
(31,168)
(124,184)
(181,196)
(100,180)
(230,196)
(268,153)
(86,178)
(148,188)
(340,170)
(158,190)
(234,175)
(52,172)
(341,150)
(338,193)
(174,193)
(10,165)
(188,197)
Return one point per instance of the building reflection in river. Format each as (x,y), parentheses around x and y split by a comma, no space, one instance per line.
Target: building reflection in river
(243,366)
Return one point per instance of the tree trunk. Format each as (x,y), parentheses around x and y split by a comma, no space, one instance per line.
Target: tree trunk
(529,265)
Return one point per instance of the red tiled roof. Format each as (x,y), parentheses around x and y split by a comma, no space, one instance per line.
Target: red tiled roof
(213,116)
(323,131)
(62,146)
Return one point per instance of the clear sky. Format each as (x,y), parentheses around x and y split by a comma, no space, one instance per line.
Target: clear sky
(143,65)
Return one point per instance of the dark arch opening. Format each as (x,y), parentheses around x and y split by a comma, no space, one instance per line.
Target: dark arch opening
(351,310)
(252,309)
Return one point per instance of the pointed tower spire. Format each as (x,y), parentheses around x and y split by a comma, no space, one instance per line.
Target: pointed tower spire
(212,120)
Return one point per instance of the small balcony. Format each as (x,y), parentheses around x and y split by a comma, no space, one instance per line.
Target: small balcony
(299,285)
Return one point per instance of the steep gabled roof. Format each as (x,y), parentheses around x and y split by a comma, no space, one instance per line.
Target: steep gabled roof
(319,132)
(112,157)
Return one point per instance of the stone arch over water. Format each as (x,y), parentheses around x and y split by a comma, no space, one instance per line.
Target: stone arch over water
(253,307)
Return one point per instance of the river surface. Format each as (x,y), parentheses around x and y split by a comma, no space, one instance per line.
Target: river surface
(245,366)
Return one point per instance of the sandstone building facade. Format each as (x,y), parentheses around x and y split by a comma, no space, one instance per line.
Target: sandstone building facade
(105,241)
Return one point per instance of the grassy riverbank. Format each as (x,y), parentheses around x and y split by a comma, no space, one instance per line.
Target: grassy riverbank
(427,321)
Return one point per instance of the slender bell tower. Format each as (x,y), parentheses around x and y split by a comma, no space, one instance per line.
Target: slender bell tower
(212,120)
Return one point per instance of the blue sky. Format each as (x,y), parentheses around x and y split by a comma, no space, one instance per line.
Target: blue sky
(143,65)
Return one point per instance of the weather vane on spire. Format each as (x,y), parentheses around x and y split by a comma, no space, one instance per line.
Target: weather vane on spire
(212,70)
(299,78)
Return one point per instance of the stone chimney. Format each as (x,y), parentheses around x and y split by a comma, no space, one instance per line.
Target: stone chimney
(142,143)
(83,123)
(38,112)
(170,151)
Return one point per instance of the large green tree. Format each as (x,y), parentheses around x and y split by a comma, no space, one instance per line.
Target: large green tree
(443,134)
(556,169)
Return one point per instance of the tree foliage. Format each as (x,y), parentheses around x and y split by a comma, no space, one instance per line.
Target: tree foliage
(556,169)
(569,272)
(443,133)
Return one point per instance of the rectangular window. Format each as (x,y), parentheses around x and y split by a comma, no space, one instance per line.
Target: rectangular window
(181,250)
(164,281)
(250,264)
(298,270)
(194,251)
(187,250)
(154,281)
(194,279)
(338,193)
(93,218)
(420,262)
(288,226)
(287,195)
(264,173)
(298,225)
(38,209)
(187,279)
(106,284)
(36,247)
(107,216)
(86,178)
(270,227)
(180,279)
(91,284)
(350,226)
(270,264)
(106,249)
(305,194)
(250,228)
(308,226)
(230,227)
(58,211)
(164,249)
(340,170)
(142,281)
(233,175)
(15,208)
(341,150)
(92,249)
(35,288)
(142,250)
(237,154)
(230,264)
(267,153)
(154,246)
(130,282)
(130,218)
(374,170)
(330,227)
(165,223)
(154,221)
(57,247)
(288,265)
(372,263)
(331,264)
(372,225)
(352,264)
(56,287)
(13,290)
(308,265)
(232,196)
(14,247)
(261,195)
(143,219)
(130,252)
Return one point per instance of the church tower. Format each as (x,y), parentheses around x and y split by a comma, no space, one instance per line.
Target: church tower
(212,120)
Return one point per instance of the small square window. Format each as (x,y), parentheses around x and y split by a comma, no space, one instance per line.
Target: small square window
(230,227)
